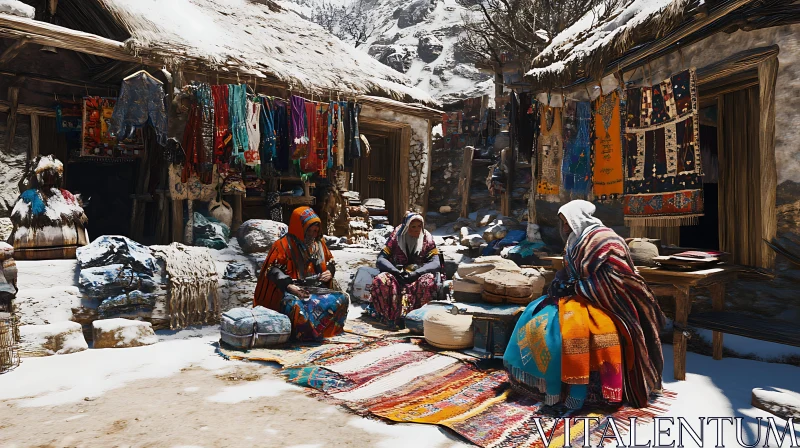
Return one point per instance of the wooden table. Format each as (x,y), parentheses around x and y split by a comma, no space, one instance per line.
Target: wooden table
(679,284)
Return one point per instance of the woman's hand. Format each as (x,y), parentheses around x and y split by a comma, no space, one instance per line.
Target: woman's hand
(296,291)
(325,277)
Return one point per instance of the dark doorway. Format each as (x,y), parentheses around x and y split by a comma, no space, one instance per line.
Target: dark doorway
(705,235)
(107,189)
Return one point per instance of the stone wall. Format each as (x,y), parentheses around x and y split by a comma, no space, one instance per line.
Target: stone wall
(12,163)
(418,153)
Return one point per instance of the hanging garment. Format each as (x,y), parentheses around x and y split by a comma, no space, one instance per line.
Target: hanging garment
(355,140)
(141,101)
(551,150)
(323,138)
(222,133)
(340,137)
(310,163)
(576,169)
(237,108)
(607,172)
(299,128)
(268,141)
(252,156)
(663,169)
(282,135)
(191,141)
(331,114)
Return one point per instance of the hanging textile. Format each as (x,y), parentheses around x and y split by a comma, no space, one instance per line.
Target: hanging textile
(282,135)
(97,138)
(323,138)
(551,150)
(299,128)
(354,142)
(663,175)
(311,162)
(268,140)
(451,123)
(198,136)
(237,111)
(331,133)
(341,135)
(607,172)
(252,156)
(141,101)
(576,168)
(222,133)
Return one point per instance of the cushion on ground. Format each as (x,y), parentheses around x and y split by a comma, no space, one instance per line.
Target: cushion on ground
(52,339)
(122,333)
(448,331)
(260,327)
(415,320)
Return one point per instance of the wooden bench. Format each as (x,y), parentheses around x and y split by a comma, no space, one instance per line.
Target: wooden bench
(753,327)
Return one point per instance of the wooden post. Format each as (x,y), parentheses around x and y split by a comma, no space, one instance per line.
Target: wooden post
(466,180)
(237,211)
(34,137)
(11,130)
(507,161)
(718,304)
(767,77)
(177,220)
(532,196)
(683,304)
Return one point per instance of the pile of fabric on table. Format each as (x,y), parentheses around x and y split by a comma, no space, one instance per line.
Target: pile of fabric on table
(48,221)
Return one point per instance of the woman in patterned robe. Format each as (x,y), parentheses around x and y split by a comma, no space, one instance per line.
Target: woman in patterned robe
(408,266)
(301,257)
(597,329)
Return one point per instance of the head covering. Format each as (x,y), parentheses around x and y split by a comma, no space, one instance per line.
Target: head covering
(302,218)
(411,245)
(580,217)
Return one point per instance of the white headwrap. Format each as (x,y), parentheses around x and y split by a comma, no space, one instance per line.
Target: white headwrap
(408,243)
(580,217)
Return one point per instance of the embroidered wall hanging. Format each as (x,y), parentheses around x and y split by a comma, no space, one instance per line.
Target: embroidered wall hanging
(576,168)
(550,153)
(607,171)
(663,169)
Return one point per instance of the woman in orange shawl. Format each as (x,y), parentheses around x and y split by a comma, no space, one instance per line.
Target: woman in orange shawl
(298,260)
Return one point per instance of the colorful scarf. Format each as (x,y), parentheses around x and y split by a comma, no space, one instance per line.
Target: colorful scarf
(221,118)
(237,109)
(607,170)
(551,151)
(299,120)
(396,252)
(268,140)
(577,170)
(663,178)
(283,139)
(252,156)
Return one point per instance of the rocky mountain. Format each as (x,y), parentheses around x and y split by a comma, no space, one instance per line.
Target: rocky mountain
(419,38)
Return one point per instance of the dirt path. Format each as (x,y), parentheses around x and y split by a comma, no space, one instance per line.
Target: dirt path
(246,406)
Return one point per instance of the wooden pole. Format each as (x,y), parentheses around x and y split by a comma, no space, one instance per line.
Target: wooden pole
(34,137)
(767,77)
(177,220)
(12,51)
(11,129)
(683,305)
(718,304)
(466,180)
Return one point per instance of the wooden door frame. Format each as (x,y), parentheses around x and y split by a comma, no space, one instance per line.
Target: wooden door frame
(394,130)
(758,66)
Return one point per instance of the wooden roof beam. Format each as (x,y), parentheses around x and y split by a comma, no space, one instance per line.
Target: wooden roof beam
(12,51)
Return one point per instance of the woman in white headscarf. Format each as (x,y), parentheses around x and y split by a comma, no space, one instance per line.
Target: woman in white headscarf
(408,264)
(596,330)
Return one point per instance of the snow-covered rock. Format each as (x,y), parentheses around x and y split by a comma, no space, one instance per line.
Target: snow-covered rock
(495,232)
(258,235)
(52,339)
(237,271)
(429,48)
(782,403)
(122,333)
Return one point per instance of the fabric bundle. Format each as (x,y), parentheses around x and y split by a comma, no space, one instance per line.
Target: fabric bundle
(663,169)
(193,284)
(268,140)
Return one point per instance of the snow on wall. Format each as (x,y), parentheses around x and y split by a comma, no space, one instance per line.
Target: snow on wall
(787,99)
(418,165)
(12,164)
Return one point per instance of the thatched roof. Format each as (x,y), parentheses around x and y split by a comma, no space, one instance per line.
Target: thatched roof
(257,37)
(598,38)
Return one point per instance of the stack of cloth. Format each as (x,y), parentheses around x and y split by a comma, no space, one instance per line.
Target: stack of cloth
(378,215)
(353,198)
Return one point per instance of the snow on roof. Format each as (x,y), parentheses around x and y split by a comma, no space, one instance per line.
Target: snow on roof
(17,8)
(601,36)
(259,39)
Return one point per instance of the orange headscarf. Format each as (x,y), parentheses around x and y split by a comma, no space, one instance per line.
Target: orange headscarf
(290,255)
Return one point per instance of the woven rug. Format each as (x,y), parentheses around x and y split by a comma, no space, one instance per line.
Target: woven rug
(403,382)
(289,355)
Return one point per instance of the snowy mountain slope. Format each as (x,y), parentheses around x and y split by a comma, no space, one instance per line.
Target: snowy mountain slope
(419,38)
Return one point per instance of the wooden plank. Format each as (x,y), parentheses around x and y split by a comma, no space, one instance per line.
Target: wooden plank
(405,186)
(25,109)
(236,205)
(11,123)
(683,306)
(177,220)
(12,51)
(732,66)
(34,137)
(718,304)
(767,77)
(466,180)
(428,180)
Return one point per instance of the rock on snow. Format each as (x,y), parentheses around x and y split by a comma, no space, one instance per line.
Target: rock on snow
(122,333)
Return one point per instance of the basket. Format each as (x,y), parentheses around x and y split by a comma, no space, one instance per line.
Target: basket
(9,339)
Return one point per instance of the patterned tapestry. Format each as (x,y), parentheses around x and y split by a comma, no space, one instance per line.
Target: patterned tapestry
(663,170)
(607,171)
(550,153)
(577,166)
(451,123)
